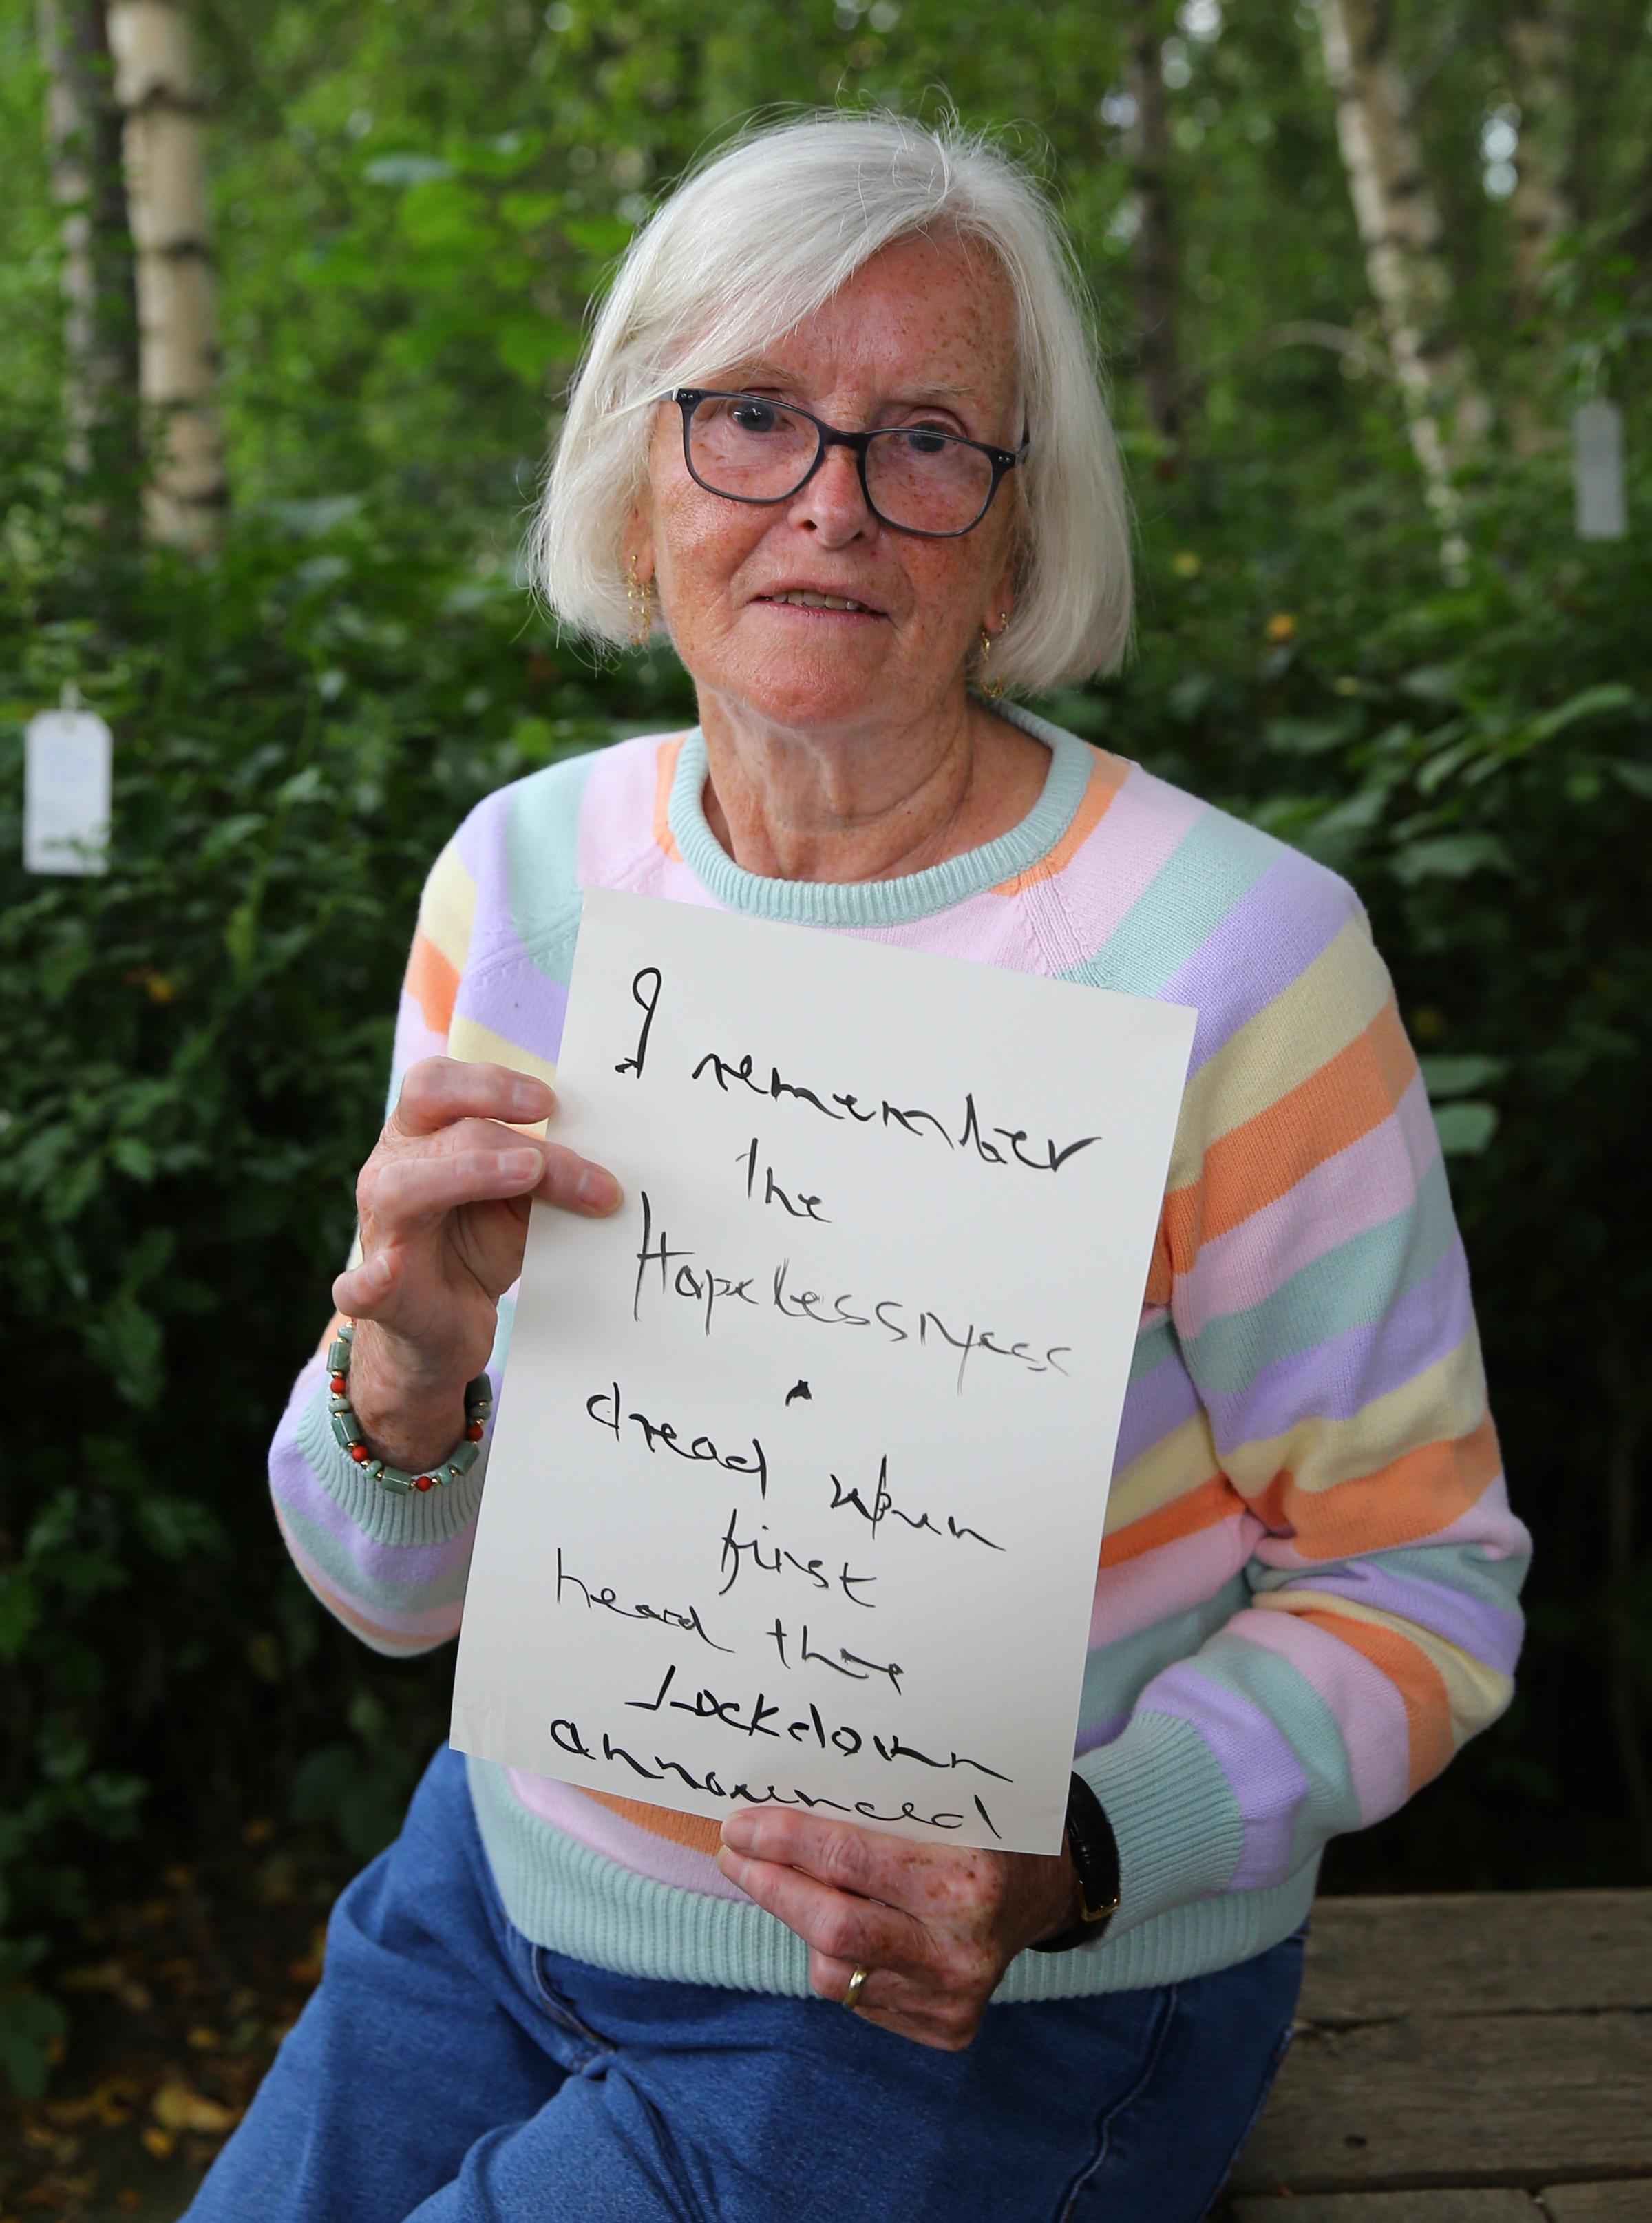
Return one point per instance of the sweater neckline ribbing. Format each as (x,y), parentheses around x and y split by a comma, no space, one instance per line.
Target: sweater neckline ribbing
(909,896)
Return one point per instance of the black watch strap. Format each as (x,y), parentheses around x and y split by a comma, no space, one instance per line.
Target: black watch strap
(1095,1851)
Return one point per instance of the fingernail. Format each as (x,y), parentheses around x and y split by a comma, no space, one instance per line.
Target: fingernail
(598,1191)
(730,1864)
(738,1832)
(517,1165)
(528,1099)
(378,1267)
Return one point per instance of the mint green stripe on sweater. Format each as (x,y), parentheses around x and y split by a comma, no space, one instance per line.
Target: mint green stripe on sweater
(1215,863)
(1349,1287)
(1155,1347)
(1116,1674)
(1270,1683)
(541,840)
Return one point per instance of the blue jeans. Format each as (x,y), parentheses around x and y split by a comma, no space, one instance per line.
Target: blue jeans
(449,2070)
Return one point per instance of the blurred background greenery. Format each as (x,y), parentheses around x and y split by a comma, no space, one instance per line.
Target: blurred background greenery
(1406,661)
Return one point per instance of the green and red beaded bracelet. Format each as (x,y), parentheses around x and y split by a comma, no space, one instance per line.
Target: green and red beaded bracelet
(479,1404)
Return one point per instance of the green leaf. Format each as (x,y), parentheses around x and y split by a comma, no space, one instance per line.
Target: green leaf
(406,169)
(1455,1076)
(1451,856)
(1593,703)
(1465,1128)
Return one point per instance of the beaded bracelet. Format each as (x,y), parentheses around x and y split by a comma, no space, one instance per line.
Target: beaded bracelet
(479,1404)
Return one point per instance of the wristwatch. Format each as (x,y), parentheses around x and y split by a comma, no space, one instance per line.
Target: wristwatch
(1095,1851)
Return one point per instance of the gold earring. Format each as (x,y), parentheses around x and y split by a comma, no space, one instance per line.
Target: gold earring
(639,592)
(991,688)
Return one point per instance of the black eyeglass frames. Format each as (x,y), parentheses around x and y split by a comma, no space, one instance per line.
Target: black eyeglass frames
(916,478)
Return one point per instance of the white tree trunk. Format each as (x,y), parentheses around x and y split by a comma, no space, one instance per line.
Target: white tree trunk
(1541,206)
(1399,228)
(83,134)
(165,181)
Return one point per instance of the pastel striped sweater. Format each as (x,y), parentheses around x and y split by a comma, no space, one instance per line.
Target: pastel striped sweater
(1306,1597)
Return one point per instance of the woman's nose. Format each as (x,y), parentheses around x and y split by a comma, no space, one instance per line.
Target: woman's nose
(832,503)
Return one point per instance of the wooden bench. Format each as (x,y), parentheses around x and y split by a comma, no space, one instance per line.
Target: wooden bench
(1480,2059)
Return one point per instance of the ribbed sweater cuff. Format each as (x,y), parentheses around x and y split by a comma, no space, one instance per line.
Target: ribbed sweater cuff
(1173,1812)
(429,1517)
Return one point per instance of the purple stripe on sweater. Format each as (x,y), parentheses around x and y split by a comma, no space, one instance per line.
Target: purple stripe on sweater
(1484,1631)
(1369,1711)
(510,996)
(1154,1405)
(293,1482)
(1276,930)
(1267,1780)
(1334,1380)
(1100,1733)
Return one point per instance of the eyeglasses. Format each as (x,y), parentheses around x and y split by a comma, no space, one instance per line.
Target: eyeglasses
(915,477)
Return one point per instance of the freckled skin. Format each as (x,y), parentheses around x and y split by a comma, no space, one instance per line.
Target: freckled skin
(938,1925)
(845,747)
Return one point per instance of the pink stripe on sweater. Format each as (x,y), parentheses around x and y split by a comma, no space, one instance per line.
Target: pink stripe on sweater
(1135,1594)
(1369,1710)
(602,1831)
(1146,823)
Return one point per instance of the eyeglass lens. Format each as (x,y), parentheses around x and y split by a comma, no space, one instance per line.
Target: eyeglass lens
(761,450)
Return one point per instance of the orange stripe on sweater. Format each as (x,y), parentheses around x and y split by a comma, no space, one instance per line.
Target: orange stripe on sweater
(665,771)
(1204,1506)
(433,983)
(1260,1160)
(697,1831)
(1106,776)
(1412,1497)
(1414,1675)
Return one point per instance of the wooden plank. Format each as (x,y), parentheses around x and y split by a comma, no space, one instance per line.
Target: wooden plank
(1599,2203)
(1457,2099)
(1535,1952)
(1499,2206)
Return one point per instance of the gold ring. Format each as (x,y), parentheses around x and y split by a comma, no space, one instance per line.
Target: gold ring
(856,1986)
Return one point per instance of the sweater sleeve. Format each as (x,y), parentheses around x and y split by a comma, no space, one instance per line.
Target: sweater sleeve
(1318,1296)
(392,1568)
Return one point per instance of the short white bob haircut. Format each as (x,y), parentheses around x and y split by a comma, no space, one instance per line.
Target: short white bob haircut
(757,239)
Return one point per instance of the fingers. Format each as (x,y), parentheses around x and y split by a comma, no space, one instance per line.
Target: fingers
(834,1923)
(894,2003)
(438,1092)
(475,1162)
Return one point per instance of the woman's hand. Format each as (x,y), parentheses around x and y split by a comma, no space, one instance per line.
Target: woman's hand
(936,1924)
(443,1205)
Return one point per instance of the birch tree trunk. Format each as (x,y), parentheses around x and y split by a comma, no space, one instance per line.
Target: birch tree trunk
(1155,259)
(1399,228)
(100,344)
(1542,207)
(166,184)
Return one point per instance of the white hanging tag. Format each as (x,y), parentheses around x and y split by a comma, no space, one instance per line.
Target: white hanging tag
(1597,471)
(66,765)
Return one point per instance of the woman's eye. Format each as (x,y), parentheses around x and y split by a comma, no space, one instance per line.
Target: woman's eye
(754,416)
(923,441)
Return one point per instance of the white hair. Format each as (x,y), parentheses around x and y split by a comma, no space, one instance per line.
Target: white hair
(761,237)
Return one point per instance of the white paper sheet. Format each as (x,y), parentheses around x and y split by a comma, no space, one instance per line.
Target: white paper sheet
(801,1462)
(67,758)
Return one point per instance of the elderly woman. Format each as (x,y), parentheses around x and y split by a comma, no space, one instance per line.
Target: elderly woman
(838,435)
